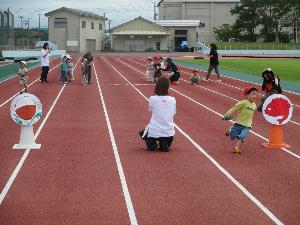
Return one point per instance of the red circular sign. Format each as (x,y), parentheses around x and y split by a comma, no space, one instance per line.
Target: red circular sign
(277,109)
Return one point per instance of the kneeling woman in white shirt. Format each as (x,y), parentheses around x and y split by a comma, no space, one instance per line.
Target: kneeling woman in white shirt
(161,126)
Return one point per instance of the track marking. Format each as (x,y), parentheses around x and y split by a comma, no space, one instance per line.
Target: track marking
(27,151)
(8,100)
(219,114)
(223,170)
(126,84)
(127,197)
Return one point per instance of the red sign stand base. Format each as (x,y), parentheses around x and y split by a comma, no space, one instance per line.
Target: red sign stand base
(276,138)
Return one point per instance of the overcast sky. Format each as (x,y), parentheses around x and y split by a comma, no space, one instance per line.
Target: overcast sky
(119,11)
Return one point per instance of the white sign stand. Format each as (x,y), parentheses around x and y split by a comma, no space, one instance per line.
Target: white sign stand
(27,139)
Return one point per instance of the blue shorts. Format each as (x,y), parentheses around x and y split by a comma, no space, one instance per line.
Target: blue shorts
(238,131)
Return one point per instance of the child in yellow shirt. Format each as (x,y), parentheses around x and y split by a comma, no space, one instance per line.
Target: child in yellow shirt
(243,123)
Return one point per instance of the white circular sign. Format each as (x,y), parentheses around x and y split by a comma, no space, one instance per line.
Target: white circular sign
(26,109)
(277,109)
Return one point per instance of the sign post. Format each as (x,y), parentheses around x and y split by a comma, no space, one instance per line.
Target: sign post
(26,110)
(277,110)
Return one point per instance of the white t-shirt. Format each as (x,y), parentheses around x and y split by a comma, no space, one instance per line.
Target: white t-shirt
(163,109)
(45,60)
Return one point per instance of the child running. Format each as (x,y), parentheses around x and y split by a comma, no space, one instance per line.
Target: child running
(243,123)
(23,76)
(63,70)
(161,126)
(195,78)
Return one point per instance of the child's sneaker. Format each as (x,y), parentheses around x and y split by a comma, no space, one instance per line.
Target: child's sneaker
(237,150)
(219,81)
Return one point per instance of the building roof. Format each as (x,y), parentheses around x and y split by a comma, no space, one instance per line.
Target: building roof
(77,12)
(178,23)
(143,19)
(138,32)
(193,1)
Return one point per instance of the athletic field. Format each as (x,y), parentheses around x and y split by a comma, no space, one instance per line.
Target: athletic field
(94,169)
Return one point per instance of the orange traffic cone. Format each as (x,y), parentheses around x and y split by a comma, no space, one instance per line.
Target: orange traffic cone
(276,138)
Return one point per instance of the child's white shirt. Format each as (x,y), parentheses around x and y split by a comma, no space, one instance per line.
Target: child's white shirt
(163,109)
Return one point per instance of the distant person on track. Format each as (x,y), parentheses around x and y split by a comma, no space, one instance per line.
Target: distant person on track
(243,123)
(84,80)
(270,85)
(157,68)
(195,78)
(89,60)
(23,76)
(70,69)
(150,69)
(213,63)
(161,126)
(63,70)
(45,62)
(174,74)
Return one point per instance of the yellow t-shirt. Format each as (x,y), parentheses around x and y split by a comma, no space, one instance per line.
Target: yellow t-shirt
(245,110)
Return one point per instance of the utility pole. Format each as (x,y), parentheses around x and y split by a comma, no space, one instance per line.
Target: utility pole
(154,15)
(27,23)
(40,22)
(40,25)
(109,21)
(21,17)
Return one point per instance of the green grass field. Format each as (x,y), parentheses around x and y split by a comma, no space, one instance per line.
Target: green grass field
(286,69)
(257,46)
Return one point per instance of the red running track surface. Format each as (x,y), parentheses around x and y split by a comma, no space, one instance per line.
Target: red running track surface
(74,177)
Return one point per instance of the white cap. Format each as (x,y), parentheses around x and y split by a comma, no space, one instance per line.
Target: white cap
(269,69)
(24,62)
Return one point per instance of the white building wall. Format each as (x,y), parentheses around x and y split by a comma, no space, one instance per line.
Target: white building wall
(213,13)
(61,35)
(88,33)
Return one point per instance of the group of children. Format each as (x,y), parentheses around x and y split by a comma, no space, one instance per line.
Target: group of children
(163,108)
(66,69)
(156,65)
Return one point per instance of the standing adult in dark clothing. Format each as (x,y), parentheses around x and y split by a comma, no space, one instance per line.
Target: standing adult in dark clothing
(89,59)
(213,62)
(174,72)
(45,61)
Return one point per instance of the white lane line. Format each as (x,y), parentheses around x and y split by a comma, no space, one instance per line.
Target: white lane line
(126,84)
(127,197)
(211,110)
(27,151)
(8,100)
(223,82)
(215,92)
(223,170)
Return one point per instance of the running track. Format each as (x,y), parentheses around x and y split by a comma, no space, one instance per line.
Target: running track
(93,168)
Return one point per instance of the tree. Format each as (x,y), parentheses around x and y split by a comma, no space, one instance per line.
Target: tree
(226,32)
(275,15)
(247,18)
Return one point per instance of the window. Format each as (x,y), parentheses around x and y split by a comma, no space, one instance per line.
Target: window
(83,24)
(100,26)
(60,22)
(92,25)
